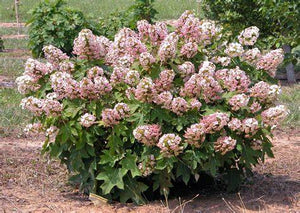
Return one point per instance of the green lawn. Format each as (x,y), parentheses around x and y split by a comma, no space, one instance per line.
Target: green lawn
(12,30)
(11,67)
(12,118)
(290,97)
(167,9)
(11,43)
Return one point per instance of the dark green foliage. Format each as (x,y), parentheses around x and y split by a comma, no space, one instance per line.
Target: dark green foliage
(53,23)
(1,45)
(141,9)
(278,20)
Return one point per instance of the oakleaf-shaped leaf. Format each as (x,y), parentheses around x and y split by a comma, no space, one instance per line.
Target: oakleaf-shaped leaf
(183,171)
(133,190)
(112,177)
(129,163)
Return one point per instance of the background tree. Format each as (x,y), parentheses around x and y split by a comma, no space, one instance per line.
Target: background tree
(278,21)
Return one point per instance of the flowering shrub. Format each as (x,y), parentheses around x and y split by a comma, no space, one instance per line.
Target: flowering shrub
(153,108)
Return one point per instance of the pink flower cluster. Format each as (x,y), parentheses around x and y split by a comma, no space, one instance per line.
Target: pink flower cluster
(38,106)
(89,46)
(272,116)
(255,107)
(35,70)
(179,106)
(233,79)
(126,44)
(147,167)
(250,127)
(214,122)
(147,134)
(113,116)
(51,132)
(202,85)
(32,104)
(145,90)
(51,107)
(256,144)
(27,84)
(152,33)
(118,75)
(193,30)
(249,36)
(270,61)
(251,56)
(170,144)
(34,128)
(189,49)
(187,69)
(146,60)
(64,85)
(235,125)
(224,61)
(164,99)
(94,72)
(93,89)
(224,144)
(66,66)
(132,78)
(265,92)
(234,50)
(54,55)
(168,47)
(164,81)
(238,101)
(195,134)
(87,120)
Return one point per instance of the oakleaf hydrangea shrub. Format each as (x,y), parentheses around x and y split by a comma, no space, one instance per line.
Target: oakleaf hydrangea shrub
(154,108)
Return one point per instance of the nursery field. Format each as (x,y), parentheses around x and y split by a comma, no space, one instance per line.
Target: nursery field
(30,182)
(99,8)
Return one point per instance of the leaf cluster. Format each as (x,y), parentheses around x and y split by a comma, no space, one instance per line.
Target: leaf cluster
(53,23)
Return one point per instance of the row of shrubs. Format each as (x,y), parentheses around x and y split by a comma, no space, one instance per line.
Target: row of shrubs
(54,23)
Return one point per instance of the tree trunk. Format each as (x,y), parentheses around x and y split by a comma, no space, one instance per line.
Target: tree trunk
(290,72)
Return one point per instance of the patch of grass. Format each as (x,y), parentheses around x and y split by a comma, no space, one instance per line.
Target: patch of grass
(167,9)
(17,54)
(12,30)
(11,67)
(290,97)
(12,117)
(15,43)
(172,9)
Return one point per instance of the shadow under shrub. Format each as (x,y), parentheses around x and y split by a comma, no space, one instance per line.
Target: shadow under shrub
(152,109)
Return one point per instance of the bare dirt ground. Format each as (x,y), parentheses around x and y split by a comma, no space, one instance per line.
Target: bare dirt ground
(30,182)
(21,36)
(11,24)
